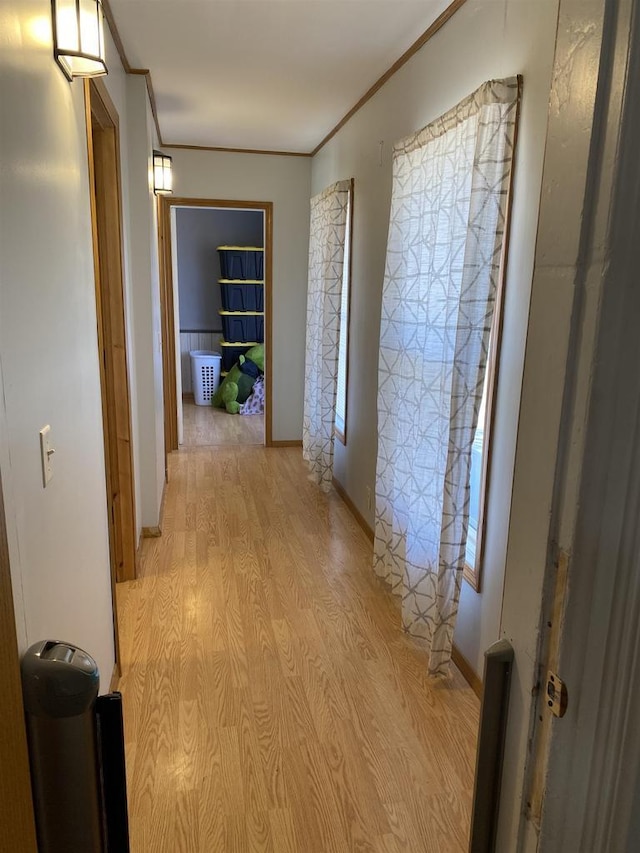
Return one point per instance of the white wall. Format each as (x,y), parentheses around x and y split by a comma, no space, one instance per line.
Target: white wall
(286,182)
(144,297)
(58,537)
(485,39)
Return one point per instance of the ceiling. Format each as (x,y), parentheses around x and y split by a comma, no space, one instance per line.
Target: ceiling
(273,75)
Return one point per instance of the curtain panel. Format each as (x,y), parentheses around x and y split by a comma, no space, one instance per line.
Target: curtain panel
(449,202)
(326,260)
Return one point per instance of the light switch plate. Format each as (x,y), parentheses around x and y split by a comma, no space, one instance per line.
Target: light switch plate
(46,454)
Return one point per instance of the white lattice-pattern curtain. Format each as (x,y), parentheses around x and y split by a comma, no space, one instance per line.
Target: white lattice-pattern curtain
(326,259)
(448,209)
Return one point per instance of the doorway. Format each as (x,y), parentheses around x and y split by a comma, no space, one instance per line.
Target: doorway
(106,207)
(208,308)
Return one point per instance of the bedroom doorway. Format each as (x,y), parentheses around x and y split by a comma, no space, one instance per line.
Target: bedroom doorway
(216,300)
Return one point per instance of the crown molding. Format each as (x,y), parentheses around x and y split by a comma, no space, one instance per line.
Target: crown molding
(397,65)
(236,150)
(129,69)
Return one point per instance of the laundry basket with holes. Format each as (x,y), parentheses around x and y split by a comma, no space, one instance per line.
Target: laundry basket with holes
(205,375)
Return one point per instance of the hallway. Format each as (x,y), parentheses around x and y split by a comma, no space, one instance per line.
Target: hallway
(272,702)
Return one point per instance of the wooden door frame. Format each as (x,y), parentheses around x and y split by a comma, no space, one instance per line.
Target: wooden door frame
(165,204)
(17,818)
(107,230)
(591,784)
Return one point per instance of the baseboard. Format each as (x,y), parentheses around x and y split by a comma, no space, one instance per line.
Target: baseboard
(115,678)
(468,673)
(288,443)
(188,397)
(355,512)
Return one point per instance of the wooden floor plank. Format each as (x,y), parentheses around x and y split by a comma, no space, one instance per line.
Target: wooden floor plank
(204,426)
(272,702)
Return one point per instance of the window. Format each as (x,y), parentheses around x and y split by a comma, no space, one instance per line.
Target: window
(343,347)
(481,450)
(327,237)
(449,205)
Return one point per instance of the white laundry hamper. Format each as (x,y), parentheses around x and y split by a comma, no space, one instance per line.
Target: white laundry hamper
(205,375)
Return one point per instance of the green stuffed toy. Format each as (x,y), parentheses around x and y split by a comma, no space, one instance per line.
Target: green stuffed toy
(237,384)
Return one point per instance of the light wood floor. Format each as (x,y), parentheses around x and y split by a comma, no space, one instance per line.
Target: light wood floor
(204,426)
(271,701)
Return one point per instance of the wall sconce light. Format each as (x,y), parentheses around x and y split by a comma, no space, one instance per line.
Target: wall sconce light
(78,37)
(162,173)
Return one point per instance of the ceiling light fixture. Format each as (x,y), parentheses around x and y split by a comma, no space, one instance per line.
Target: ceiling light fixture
(78,37)
(162,173)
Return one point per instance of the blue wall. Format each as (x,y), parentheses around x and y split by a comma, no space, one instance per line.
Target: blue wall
(199,231)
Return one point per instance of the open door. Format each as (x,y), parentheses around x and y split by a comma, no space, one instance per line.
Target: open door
(104,178)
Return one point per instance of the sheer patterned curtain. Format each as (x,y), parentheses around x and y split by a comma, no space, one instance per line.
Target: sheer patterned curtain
(446,230)
(326,259)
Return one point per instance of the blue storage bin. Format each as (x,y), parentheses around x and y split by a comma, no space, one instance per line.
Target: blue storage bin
(231,352)
(242,326)
(241,295)
(241,262)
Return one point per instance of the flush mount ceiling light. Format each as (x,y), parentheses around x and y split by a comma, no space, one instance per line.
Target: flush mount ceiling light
(162,173)
(78,37)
